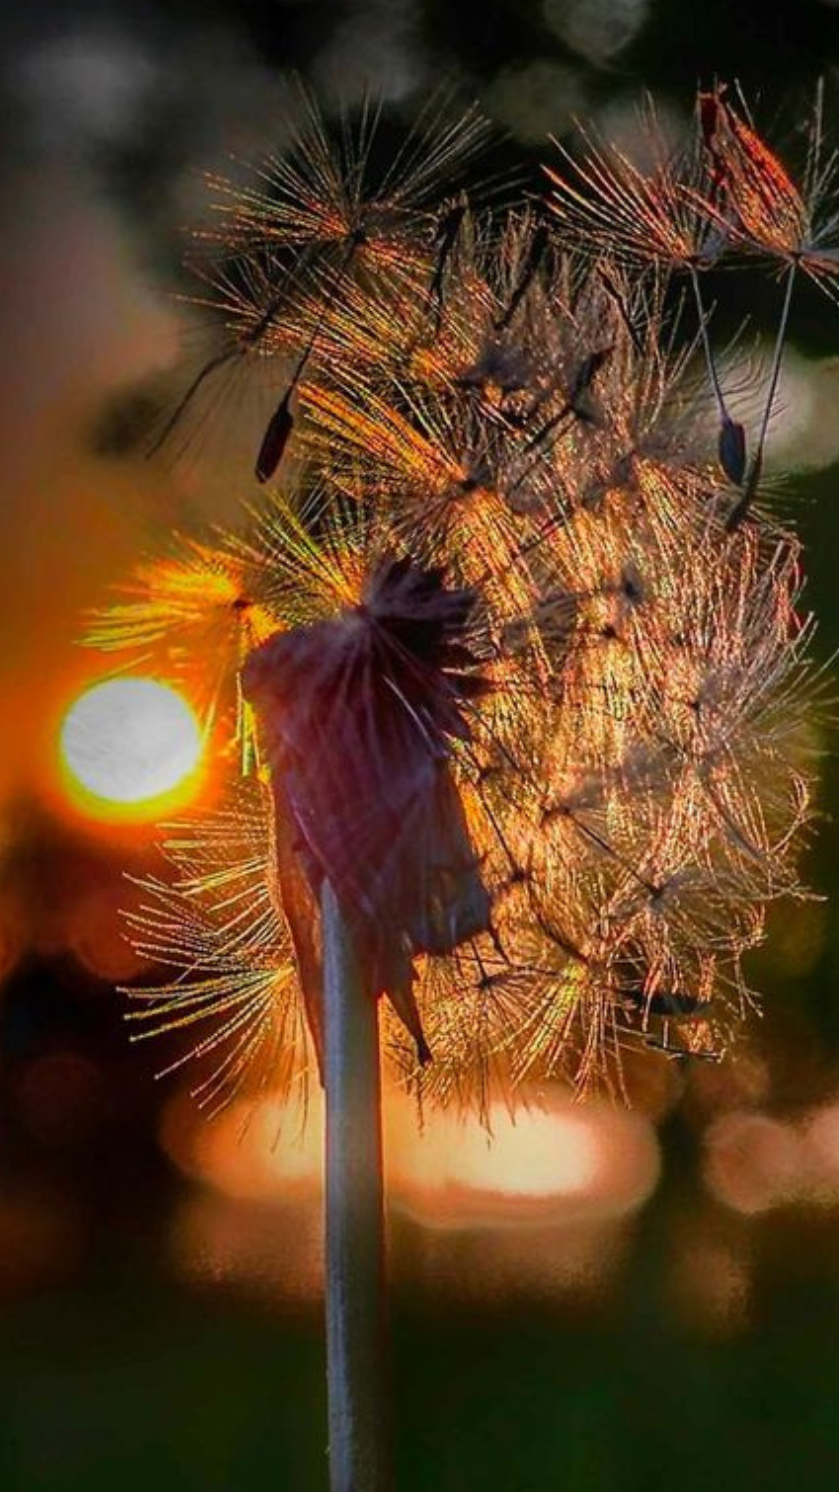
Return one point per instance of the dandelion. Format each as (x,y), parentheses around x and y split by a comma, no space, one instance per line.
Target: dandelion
(528,716)
(766,213)
(660,214)
(722,191)
(763,209)
(196,603)
(287,244)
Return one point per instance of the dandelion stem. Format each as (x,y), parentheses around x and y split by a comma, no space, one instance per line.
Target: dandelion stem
(354,1218)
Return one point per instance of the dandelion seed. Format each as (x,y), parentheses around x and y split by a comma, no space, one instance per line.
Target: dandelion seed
(732,450)
(608,206)
(446,235)
(535,255)
(275,439)
(755,196)
(312,216)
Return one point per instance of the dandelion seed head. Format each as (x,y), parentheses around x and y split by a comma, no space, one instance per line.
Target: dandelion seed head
(510,677)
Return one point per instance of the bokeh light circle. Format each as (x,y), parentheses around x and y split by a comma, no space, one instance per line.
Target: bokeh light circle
(128,743)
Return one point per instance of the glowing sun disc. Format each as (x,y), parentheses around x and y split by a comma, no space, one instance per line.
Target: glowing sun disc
(130,741)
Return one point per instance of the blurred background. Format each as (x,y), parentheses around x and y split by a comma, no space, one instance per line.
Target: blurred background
(601,1300)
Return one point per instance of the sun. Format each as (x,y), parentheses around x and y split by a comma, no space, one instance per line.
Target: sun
(130,746)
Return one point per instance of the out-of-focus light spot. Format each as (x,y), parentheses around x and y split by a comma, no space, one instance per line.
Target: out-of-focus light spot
(128,745)
(570,1178)
(821,1147)
(42,1239)
(62,1099)
(256,1150)
(823,1136)
(535,100)
(737,1084)
(570,1163)
(96,934)
(372,51)
(596,29)
(85,85)
(538,1155)
(753,1163)
(648,142)
(501,1261)
(710,1283)
(803,433)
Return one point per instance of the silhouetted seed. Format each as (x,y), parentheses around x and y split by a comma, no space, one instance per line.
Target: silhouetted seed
(744,501)
(445,238)
(732,450)
(536,253)
(580,384)
(547,429)
(281,424)
(667,1003)
(275,439)
(738,513)
(632,586)
(614,293)
(585,376)
(249,340)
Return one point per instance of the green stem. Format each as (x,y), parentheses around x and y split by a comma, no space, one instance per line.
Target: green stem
(358,1429)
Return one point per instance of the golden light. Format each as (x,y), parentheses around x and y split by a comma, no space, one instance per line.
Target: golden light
(565,1164)
(572,1177)
(753,1162)
(130,747)
(569,1163)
